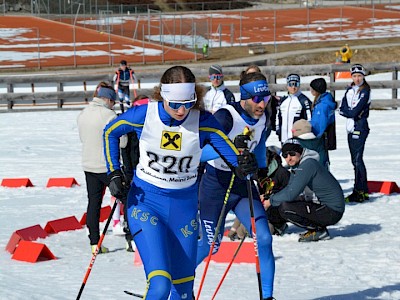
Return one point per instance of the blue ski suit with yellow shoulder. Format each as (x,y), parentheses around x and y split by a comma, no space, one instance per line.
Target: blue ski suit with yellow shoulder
(163,198)
(213,188)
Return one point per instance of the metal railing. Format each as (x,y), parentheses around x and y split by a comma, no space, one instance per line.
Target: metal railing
(60,98)
(65,7)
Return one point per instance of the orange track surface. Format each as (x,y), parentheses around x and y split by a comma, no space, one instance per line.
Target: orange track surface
(292,25)
(51,32)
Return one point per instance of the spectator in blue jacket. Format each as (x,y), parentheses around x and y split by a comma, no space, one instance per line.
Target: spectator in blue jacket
(323,113)
(323,107)
(355,107)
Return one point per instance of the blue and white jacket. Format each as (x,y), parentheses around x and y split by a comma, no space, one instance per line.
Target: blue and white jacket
(291,109)
(355,107)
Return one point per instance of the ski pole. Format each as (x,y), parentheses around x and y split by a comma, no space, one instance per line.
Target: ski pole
(254,233)
(134,294)
(121,102)
(241,143)
(221,217)
(89,269)
(227,269)
(133,82)
(134,89)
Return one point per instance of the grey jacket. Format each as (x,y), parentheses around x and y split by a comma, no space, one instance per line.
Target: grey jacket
(309,172)
(91,122)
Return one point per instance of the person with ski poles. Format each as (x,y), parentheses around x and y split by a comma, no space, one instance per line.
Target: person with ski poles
(248,113)
(123,77)
(163,198)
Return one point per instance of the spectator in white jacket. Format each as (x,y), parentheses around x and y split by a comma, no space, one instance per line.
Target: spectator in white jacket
(91,122)
(292,107)
(217,94)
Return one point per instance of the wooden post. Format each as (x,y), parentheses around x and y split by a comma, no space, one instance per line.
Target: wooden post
(332,79)
(395,76)
(85,89)
(272,79)
(33,91)
(60,88)
(10,90)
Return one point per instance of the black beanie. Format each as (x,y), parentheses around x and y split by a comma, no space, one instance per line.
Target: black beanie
(319,85)
(292,145)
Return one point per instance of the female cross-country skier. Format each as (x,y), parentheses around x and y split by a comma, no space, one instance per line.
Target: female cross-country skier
(163,197)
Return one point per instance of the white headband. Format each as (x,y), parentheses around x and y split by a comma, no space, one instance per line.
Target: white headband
(178,91)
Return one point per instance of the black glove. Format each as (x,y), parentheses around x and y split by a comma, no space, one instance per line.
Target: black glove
(240,141)
(118,186)
(247,165)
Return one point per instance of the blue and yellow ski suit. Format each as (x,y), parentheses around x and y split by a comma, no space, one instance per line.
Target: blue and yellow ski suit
(163,198)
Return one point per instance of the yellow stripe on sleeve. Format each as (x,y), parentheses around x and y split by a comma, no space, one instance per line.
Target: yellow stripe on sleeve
(107,142)
(223,136)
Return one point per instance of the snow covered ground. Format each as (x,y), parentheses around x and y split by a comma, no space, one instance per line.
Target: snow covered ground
(360,262)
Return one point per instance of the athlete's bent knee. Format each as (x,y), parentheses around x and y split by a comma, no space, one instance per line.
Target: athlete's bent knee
(159,288)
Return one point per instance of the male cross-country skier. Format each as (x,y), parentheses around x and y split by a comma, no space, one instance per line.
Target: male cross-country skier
(249,113)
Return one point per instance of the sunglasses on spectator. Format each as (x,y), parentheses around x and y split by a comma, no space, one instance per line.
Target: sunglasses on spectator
(258,99)
(215,76)
(175,105)
(287,153)
(293,84)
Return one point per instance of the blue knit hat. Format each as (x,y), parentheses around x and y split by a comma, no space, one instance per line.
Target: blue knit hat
(293,77)
(108,93)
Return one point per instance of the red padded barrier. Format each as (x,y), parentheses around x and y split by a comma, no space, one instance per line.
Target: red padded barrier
(104,214)
(385,187)
(31,233)
(64,224)
(62,182)
(32,252)
(16,182)
(228,248)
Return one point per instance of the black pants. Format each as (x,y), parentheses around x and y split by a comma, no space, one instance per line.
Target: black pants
(356,146)
(96,184)
(305,214)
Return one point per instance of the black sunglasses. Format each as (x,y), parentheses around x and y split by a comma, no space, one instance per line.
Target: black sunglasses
(287,153)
